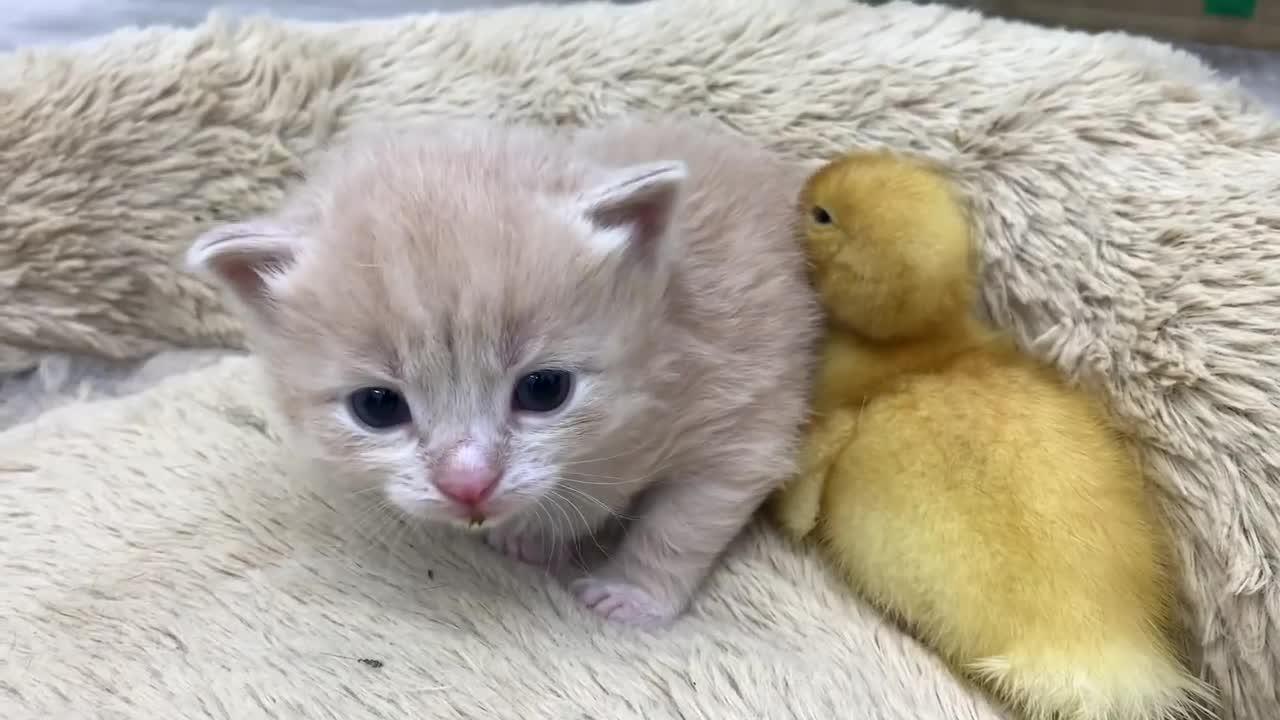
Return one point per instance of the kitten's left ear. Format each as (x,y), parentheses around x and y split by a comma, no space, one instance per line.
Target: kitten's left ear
(634,207)
(244,258)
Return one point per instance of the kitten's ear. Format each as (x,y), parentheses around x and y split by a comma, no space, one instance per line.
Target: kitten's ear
(635,205)
(244,257)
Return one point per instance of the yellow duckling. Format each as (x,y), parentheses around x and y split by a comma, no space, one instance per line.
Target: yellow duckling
(963,487)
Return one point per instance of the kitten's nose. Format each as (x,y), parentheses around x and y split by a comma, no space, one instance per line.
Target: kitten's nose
(467,485)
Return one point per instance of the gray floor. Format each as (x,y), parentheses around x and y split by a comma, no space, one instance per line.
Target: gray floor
(1257,70)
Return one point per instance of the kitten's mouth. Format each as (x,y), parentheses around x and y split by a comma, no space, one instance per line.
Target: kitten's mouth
(471,519)
(480,518)
(477,517)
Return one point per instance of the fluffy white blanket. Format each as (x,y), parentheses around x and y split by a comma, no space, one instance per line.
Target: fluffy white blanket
(161,558)
(158,559)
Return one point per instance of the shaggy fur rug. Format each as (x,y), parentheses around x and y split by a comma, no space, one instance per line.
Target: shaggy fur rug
(160,559)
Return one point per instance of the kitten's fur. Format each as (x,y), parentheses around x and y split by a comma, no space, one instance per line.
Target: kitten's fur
(656,259)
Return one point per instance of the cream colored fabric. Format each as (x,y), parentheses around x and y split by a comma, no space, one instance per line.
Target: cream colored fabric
(161,559)
(1129,205)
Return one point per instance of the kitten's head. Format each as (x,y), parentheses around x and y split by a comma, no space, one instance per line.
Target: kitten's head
(461,317)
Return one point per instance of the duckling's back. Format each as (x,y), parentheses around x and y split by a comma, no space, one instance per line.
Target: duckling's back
(996,512)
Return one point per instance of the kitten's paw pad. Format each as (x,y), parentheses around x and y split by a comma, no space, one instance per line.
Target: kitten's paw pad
(521,543)
(622,602)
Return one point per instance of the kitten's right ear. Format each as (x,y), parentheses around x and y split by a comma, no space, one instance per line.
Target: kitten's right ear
(245,257)
(634,207)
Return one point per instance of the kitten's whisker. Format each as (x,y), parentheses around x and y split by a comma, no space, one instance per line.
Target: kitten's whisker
(654,471)
(376,533)
(378,503)
(610,482)
(334,507)
(376,523)
(364,491)
(595,479)
(539,501)
(587,527)
(372,514)
(402,524)
(595,500)
(548,537)
(568,521)
(648,445)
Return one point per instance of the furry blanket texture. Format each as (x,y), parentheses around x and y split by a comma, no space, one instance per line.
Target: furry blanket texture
(197,573)
(159,559)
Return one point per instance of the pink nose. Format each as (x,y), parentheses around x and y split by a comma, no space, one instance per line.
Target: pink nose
(467,485)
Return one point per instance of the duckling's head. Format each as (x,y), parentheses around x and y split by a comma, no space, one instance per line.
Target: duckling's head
(889,245)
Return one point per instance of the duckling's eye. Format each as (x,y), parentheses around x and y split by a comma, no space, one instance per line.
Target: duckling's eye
(821,216)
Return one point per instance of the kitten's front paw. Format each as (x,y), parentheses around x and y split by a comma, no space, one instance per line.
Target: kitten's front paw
(522,541)
(622,602)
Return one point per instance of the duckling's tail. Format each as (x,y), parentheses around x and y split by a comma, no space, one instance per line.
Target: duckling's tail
(1111,683)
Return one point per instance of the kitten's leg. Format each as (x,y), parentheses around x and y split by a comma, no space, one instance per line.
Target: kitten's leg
(681,530)
(795,508)
(541,534)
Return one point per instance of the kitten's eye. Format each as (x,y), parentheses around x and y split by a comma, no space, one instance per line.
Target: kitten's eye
(821,216)
(379,408)
(542,391)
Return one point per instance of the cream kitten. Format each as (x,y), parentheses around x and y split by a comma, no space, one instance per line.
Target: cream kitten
(516,329)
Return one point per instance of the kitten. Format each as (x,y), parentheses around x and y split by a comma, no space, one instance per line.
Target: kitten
(529,330)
